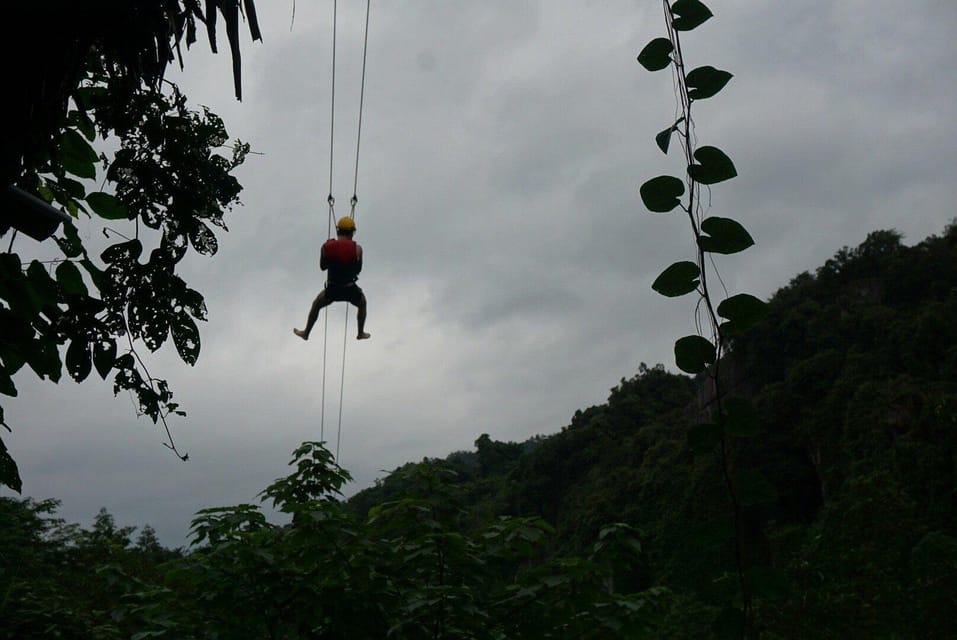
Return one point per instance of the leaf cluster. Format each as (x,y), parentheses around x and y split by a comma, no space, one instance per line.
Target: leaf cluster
(170,184)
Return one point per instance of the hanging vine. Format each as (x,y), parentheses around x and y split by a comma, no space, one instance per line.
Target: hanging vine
(729,419)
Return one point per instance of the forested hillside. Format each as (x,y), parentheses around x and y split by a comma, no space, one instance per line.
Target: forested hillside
(618,525)
(853,371)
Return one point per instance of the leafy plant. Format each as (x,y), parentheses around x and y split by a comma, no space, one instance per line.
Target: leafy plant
(729,419)
(169,183)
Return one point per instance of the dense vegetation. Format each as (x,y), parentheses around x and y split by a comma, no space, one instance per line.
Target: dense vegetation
(617,526)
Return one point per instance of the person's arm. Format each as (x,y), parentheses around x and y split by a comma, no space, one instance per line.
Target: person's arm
(322,258)
(358,258)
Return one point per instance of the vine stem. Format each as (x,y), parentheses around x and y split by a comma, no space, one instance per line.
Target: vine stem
(693,208)
(171,445)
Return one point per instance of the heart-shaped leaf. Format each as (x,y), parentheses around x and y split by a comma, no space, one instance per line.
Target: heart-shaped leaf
(693,354)
(742,312)
(713,166)
(705,82)
(661,194)
(691,13)
(678,279)
(656,55)
(725,236)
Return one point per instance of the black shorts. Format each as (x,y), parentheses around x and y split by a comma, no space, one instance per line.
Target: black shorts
(350,293)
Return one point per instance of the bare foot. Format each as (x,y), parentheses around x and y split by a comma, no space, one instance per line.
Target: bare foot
(363,336)
(301,334)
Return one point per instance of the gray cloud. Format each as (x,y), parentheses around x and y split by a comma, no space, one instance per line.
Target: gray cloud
(508,257)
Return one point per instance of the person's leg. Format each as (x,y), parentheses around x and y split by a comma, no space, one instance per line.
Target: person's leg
(317,305)
(361,318)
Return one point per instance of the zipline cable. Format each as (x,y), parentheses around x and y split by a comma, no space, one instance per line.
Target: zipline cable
(332,213)
(332,111)
(352,214)
(362,95)
(342,381)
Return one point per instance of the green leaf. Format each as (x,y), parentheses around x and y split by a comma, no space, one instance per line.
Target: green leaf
(70,279)
(203,239)
(9,474)
(186,337)
(104,355)
(148,317)
(44,358)
(678,279)
(693,354)
(705,82)
(663,138)
(123,252)
(742,312)
(43,289)
(78,361)
(656,55)
(44,192)
(753,488)
(703,438)
(79,168)
(74,144)
(713,166)
(107,206)
(691,13)
(741,419)
(70,244)
(79,158)
(73,188)
(725,236)
(82,121)
(661,194)
(193,302)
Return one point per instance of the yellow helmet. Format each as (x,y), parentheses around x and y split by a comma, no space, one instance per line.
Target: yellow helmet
(346,223)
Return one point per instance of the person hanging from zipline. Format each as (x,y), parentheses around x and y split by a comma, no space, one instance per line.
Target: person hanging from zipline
(342,257)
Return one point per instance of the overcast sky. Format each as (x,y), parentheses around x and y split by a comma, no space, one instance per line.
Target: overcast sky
(509,259)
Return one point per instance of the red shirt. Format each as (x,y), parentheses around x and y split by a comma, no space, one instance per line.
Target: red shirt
(341,257)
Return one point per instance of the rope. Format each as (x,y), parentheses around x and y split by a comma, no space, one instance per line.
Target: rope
(352,214)
(332,213)
(332,109)
(342,381)
(362,94)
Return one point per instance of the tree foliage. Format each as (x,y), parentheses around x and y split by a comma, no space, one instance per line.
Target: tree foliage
(100,74)
(411,568)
